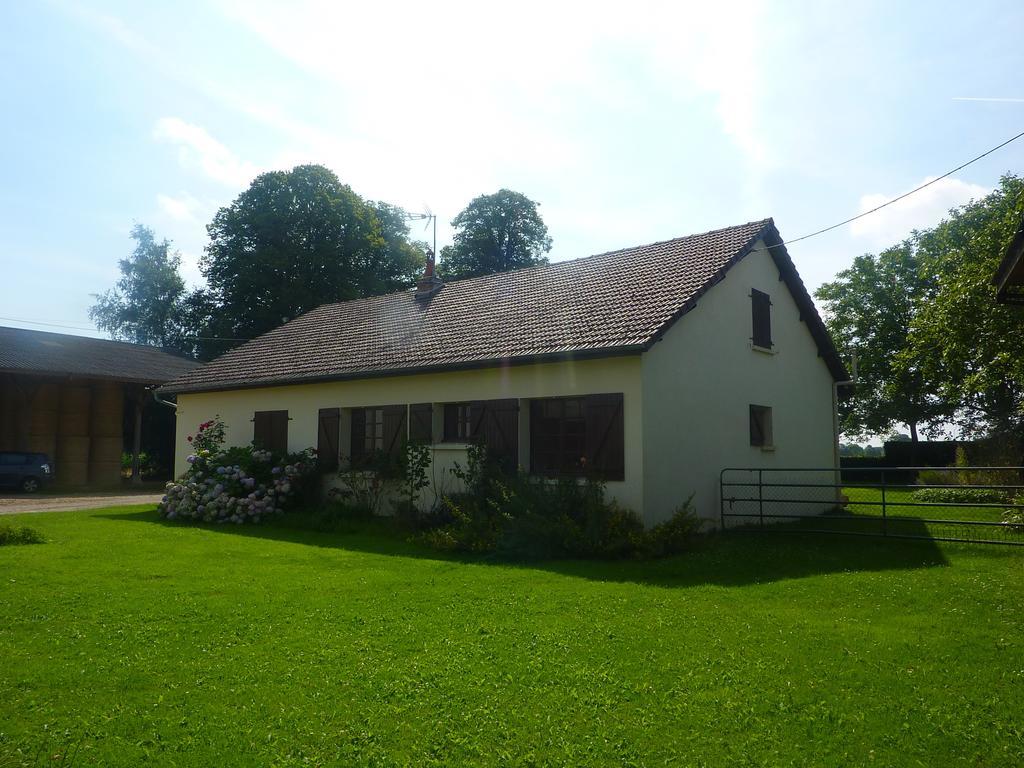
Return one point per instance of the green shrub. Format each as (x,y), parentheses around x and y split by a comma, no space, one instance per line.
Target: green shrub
(937,477)
(957,495)
(677,534)
(9,534)
(1015,515)
(521,517)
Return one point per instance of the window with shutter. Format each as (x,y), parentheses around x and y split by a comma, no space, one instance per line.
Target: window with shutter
(458,422)
(761,426)
(578,436)
(493,423)
(761,314)
(270,431)
(378,430)
(328,432)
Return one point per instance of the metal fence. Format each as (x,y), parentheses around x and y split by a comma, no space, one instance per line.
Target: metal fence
(982,505)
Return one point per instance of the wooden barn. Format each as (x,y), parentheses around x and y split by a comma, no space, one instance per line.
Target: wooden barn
(80,400)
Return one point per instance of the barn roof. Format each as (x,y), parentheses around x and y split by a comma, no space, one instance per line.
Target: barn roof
(25,351)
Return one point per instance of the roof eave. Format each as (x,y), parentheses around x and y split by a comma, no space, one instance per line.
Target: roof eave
(82,375)
(505,362)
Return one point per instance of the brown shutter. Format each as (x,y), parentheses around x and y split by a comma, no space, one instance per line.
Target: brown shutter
(498,428)
(328,433)
(421,423)
(357,447)
(451,422)
(261,429)
(761,314)
(270,431)
(605,436)
(394,429)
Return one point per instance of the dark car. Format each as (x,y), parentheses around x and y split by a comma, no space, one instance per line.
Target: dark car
(25,471)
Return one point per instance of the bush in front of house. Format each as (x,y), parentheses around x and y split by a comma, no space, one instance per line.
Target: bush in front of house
(10,534)
(236,485)
(520,517)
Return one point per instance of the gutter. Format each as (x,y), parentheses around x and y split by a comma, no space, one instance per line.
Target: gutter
(168,403)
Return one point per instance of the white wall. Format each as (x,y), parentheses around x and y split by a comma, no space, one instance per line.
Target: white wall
(236,408)
(700,379)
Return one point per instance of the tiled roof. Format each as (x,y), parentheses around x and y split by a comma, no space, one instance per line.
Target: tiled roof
(612,303)
(40,352)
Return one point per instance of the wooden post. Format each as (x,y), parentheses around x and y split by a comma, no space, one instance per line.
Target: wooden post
(137,437)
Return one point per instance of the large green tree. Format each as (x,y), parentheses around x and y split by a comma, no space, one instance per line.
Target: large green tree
(146,304)
(297,239)
(970,346)
(869,310)
(496,233)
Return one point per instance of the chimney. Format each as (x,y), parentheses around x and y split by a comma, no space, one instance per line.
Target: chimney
(430,283)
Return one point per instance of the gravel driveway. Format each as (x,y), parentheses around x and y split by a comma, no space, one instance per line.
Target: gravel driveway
(16,504)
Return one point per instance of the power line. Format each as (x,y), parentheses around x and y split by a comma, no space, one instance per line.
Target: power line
(431,216)
(905,194)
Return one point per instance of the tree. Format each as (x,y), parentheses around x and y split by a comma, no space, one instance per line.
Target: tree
(965,342)
(869,310)
(145,306)
(496,233)
(295,240)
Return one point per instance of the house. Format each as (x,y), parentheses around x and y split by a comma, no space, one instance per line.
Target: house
(1009,278)
(653,367)
(65,396)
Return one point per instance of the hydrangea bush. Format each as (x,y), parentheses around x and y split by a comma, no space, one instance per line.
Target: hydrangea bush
(236,485)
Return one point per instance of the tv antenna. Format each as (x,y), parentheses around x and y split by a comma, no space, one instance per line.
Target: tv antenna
(431,220)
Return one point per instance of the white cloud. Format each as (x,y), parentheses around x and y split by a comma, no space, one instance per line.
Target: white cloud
(919,211)
(197,147)
(182,208)
(190,269)
(454,80)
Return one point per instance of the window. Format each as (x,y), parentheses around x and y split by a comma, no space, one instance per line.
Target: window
(378,429)
(494,423)
(270,431)
(13,459)
(577,436)
(328,429)
(761,314)
(761,426)
(458,422)
(373,430)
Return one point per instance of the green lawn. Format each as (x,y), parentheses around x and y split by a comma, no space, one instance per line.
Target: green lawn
(127,641)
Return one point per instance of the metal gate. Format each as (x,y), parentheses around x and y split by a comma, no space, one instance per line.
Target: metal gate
(982,505)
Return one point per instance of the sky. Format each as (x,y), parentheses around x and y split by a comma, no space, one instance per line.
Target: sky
(628,123)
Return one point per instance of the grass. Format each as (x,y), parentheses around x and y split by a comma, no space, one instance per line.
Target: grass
(130,641)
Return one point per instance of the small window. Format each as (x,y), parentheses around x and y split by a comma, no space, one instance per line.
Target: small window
(458,422)
(761,314)
(761,426)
